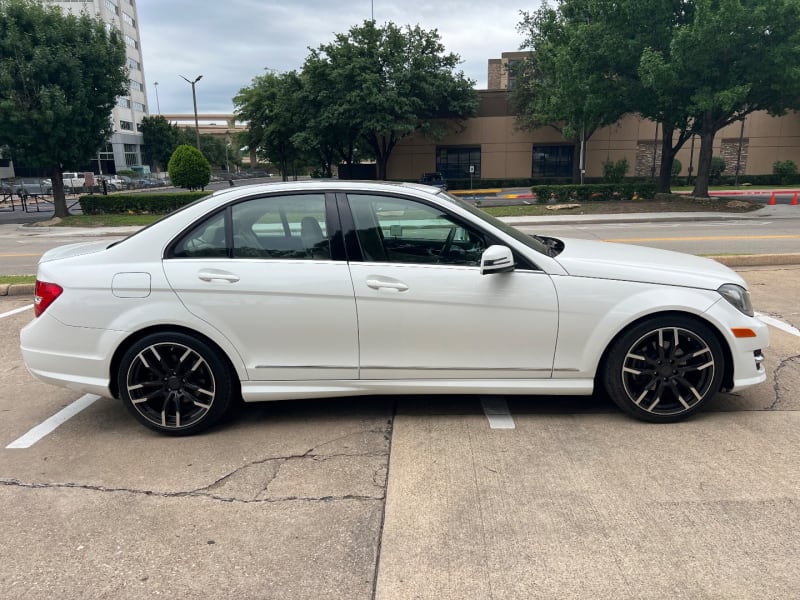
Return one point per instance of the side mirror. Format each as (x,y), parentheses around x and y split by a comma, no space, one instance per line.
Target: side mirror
(497,259)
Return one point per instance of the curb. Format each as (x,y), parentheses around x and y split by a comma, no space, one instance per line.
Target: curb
(758,260)
(17,289)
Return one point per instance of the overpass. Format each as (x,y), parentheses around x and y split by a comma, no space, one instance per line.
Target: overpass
(219,124)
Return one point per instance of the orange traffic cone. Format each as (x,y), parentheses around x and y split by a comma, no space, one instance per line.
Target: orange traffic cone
(772,199)
(794,199)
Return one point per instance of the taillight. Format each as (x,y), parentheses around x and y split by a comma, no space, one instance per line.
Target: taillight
(44,296)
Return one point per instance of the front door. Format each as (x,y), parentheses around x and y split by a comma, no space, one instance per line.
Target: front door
(426,312)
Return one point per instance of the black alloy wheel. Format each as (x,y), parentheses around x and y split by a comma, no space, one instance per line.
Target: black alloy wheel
(664,369)
(175,383)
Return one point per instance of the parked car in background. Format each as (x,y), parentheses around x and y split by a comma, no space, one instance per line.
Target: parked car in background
(33,188)
(434,179)
(73,181)
(336,288)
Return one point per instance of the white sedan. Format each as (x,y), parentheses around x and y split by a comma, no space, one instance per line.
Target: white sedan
(323,289)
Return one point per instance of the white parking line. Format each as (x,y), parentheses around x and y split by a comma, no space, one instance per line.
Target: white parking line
(496,410)
(778,324)
(48,426)
(15,311)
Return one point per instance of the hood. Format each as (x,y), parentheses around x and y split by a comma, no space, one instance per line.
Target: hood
(609,260)
(71,250)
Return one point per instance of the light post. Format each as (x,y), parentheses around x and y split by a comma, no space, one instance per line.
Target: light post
(194,100)
(158,104)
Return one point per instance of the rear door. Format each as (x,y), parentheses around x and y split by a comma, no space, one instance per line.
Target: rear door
(269,273)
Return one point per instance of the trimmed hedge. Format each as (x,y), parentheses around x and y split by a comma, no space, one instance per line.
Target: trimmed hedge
(595,192)
(137,204)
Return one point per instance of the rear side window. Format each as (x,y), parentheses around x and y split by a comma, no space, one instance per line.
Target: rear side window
(274,227)
(289,227)
(206,240)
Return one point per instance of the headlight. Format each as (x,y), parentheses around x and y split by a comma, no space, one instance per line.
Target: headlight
(738,296)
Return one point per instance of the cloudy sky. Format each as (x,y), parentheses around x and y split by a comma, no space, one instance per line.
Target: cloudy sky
(229,42)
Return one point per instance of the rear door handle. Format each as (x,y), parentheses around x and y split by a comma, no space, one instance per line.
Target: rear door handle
(214,275)
(377,283)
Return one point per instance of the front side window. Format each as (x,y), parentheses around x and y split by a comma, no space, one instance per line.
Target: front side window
(401,230)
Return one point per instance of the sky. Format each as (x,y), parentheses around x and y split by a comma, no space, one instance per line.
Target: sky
(229,42)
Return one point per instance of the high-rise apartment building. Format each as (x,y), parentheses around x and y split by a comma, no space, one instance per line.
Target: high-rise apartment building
(124,150)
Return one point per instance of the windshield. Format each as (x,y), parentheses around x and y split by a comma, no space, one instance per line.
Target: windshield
(515,233)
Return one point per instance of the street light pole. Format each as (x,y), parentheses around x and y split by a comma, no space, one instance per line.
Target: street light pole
(194,99)
(158,104)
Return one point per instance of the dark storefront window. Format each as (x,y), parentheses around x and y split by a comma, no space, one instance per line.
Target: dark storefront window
(552,161)
(454,163)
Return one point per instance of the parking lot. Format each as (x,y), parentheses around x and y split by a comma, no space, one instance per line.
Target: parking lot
(407,497)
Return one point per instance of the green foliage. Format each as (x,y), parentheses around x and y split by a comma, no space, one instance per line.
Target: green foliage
(275,115)
(159,203)
(392,82)
(189,168)
(570,80)
(735,55)
(614,172)
(594,192)
(60,76)
(785,170)
(676,167)
(357,97)
(160,140)
(717,167)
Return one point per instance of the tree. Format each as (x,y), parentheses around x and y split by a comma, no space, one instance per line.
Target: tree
(739,54)
(570,80)
(385,83)
(272,107)
(60,76)
(160,140)
(329,132)
(189,168)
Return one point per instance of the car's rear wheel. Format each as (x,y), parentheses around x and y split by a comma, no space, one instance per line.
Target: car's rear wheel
(175,383)
(664,369)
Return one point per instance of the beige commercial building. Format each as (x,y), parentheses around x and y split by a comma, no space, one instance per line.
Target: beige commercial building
(492,146)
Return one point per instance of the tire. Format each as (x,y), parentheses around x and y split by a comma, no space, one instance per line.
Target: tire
(664,369)
(175,383)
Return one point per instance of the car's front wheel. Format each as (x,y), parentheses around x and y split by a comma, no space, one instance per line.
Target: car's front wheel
(664,369)
(175,383)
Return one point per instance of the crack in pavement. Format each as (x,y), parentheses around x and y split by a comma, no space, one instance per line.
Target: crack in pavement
(776,384)
(208,491)
(187,494)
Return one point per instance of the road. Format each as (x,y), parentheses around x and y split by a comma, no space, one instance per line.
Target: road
(21,247)
(408,497)
(729,236)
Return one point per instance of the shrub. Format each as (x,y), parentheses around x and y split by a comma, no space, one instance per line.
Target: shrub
(158,203)
(627,190)
(785,170)
(189,168)
(614,172)
(717,167)
(676,167)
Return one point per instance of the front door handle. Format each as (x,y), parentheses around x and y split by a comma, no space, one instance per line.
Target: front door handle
(392,284)
(213,274)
